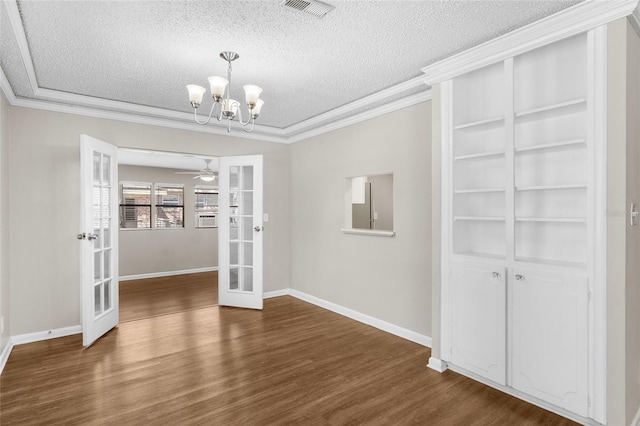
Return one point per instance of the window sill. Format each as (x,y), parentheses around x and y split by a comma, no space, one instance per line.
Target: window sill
(371,232)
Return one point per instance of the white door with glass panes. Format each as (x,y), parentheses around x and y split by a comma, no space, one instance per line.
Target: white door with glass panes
(99,237)
(240,232)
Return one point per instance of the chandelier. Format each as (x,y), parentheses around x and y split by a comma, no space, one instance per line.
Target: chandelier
(227,108)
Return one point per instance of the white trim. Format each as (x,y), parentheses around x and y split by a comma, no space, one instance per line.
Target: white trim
(21,339)
(275,293)
(437,364)
(571,21)
(23,46)
(372,113)
(421,339)
(4,356)
(166,273)
(6,88)
(636,418)
(525,397)
(371,232)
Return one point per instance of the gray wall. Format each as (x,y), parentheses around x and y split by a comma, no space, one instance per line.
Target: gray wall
(632,290)
(147,251)
(387,278)
(4,222)
(45,254)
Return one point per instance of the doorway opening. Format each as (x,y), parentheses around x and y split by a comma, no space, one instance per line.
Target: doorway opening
(168,232)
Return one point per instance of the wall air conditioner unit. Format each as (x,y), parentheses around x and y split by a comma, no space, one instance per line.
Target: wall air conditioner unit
(206,220)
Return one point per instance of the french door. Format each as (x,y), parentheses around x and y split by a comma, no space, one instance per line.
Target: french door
(240,232)
(99,238)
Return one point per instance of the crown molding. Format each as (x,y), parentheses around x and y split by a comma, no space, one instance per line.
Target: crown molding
(381,110)
(18,30)
(571,21)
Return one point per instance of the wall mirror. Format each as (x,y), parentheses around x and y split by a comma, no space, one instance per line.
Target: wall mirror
(369,204)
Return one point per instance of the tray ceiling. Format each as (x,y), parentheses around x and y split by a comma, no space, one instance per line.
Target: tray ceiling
(141,54)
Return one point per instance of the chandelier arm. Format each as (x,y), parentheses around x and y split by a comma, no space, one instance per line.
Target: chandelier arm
(243,123)
(251,128)
(228,125)
(219,115)
(195,114)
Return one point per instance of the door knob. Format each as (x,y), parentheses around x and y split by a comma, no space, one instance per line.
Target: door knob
(92,237)
(519,277)
(258,228)
(496,274)
(82,236)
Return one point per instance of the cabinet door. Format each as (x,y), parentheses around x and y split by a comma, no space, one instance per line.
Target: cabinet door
(550,337)
(478,312)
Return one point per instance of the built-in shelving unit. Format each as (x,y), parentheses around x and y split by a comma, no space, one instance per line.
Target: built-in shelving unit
(518,210)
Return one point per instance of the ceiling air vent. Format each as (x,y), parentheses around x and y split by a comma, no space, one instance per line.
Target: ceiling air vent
(312,7)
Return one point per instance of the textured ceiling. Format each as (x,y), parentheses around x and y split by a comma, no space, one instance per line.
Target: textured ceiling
(145,52)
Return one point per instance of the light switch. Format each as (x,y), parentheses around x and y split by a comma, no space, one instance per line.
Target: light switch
(265,217)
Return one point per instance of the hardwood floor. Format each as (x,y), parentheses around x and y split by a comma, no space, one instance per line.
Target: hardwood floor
(292,363)
(151,297)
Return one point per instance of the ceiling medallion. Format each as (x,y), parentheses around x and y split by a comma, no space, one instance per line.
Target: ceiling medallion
(228,108)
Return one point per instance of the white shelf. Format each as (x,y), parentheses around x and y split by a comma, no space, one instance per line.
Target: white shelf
(479,218)
(550,187)
(479,254)
(556,110)
(478,190)
(552,262)
(553,219)
(482,125)
(480,156)
(556,146)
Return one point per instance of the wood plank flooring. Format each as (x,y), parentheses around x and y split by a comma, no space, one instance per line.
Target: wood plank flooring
(151,297)
(291,364)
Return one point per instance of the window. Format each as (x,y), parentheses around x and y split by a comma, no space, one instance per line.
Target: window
(135,205)
(169,206)
(206,206)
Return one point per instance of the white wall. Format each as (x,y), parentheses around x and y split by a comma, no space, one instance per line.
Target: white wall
(4,222)
(45,185)
(387,278)
(144,251)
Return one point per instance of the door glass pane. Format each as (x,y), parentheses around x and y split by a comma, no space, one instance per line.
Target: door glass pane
(97,300)
(107,264)
(233,228)
(233,279)
(233,199)
(107,295)
(106,233)
(106,169)
(97,265)
(246,207)
(247,279)
(96,202)
(234,177)
(106,195)
(96,167)
(247,177)
(233,253)
(247,254)
(247,229)
(97,241)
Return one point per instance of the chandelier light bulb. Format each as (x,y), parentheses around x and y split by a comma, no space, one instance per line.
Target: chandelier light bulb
(218,86)
(195,94)
(252,94)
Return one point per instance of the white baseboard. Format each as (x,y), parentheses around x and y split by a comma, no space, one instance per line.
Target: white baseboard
(4,356)
(21,339)
(275,293)
(166,273)
(421,339)
(636,418)
(437,364)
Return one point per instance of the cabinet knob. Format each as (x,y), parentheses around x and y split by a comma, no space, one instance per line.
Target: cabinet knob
(496,275)
(519,277)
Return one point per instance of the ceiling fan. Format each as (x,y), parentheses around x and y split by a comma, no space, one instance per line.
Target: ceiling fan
(207,174)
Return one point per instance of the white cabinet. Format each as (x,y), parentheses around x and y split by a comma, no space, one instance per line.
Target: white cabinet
(519,209)
(478,328)
(550,337)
